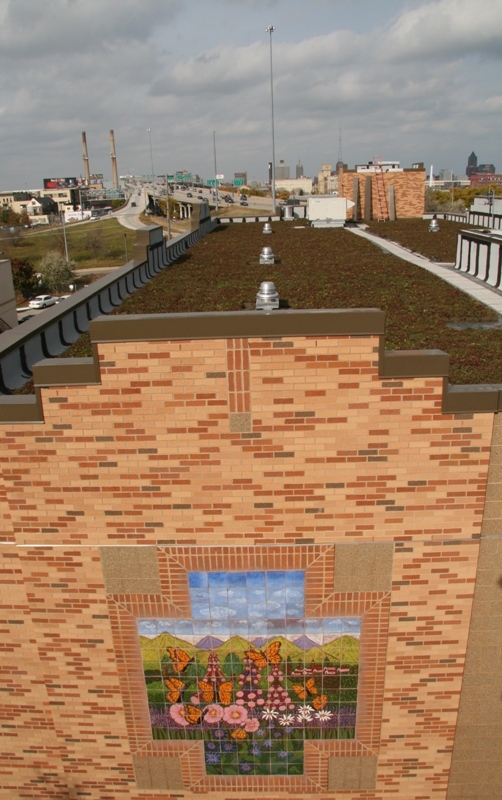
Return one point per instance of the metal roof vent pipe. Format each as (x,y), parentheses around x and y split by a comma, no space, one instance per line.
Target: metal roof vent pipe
(267,228)
(267,298)
(434,226)
(266,256)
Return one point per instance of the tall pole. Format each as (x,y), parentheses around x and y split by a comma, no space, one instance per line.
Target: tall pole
(215,171)
(64,236)
(151,162)
(168,213)
(270,31)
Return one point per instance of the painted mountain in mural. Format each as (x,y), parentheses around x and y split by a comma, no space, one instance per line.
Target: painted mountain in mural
(343,650)
(304,643)
(209,643)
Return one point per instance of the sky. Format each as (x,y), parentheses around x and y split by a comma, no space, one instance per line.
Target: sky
(407,80)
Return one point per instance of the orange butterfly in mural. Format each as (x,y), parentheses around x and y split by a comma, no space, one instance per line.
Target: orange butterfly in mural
(180,658)
(270,655)
(191,714)
(206,691)
(303,691)
(225,693)
(320,702)
(175,687)
(239,734)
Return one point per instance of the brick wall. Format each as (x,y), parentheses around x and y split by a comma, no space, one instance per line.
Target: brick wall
(224,454)
(409,192)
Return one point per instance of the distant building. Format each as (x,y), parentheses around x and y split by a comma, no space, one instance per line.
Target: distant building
(299,170)
(241,176)
(486,179)
(327,180)
(472,165)
(486,169)
(294,185)
(387,166)
(282,172)
(446,175)
(473,168)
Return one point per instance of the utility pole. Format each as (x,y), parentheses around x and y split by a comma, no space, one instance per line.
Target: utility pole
(168,212)
(270,31)
(215,171)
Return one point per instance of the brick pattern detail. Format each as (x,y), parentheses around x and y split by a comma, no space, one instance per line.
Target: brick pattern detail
(336,456)
(238,376)
(409,192)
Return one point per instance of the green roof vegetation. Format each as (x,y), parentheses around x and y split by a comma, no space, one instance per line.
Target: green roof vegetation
(332,268)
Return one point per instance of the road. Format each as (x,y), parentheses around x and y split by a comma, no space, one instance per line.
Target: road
(128,216)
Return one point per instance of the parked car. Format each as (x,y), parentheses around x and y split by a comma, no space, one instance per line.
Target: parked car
(42,301)
(189,194)
(244,203)
(133,205)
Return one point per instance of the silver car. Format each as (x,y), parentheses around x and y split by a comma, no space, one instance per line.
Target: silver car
(42,301)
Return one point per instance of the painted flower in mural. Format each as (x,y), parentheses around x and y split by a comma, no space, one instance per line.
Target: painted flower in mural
(251,725)
(286,719)
(177,712)
(305,713)
(213,714)
(212,758)
(235,715)
(323,715)
(269,714)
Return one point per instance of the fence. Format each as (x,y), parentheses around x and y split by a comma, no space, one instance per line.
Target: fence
(50,333)
(480,254)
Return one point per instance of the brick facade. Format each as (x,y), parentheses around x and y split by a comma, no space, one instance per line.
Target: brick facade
(409,192)
(245,453)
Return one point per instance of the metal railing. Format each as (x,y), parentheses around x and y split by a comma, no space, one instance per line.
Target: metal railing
(48,334)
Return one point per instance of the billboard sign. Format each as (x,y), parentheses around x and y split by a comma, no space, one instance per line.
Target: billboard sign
(60,183)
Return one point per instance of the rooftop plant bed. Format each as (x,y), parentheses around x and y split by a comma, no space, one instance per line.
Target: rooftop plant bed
(326,268)
(415,236)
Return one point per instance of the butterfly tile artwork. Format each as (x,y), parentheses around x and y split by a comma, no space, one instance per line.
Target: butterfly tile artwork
(249,675)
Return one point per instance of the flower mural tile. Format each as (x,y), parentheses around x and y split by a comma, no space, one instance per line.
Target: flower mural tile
(249,675)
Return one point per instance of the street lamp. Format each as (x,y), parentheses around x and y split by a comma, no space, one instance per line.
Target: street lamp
(151,162)
(270,31)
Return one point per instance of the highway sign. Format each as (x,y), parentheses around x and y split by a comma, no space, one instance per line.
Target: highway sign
(211,182)
(238,181)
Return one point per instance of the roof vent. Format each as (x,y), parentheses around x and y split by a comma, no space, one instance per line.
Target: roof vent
(267,298)
(267,228)
(266,256)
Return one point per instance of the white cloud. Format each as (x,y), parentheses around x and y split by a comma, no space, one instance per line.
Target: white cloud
(423,72)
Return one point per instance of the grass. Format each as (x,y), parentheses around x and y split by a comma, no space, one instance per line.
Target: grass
(326,268)
(414,235)
(91,245)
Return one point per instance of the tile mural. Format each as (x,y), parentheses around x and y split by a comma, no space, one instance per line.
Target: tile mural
(248,674)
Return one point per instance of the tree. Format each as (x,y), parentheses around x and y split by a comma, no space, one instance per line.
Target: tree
(56,273)
(93,241)
(24,278)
